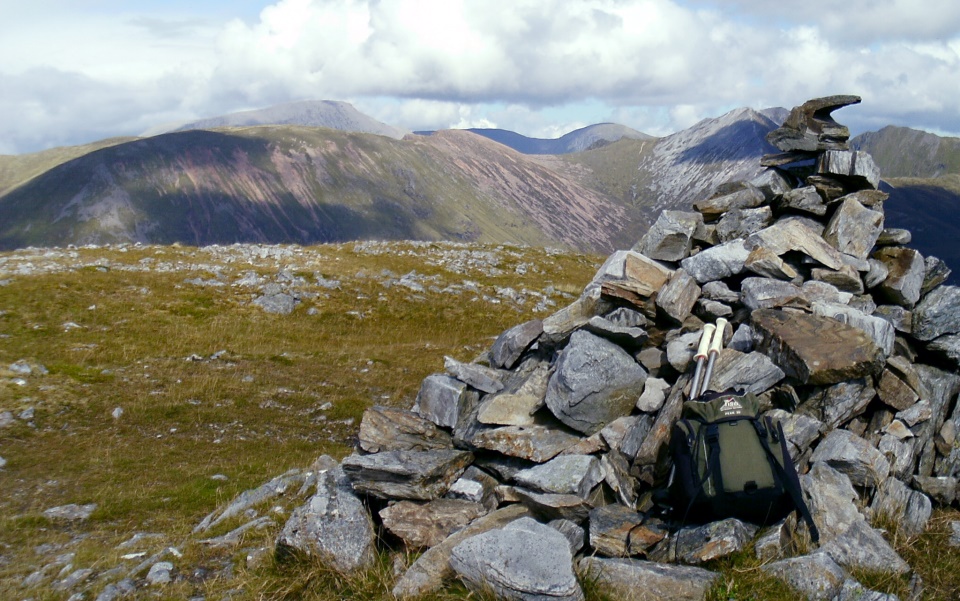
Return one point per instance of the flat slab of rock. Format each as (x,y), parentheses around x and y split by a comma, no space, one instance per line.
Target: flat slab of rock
(811,128)
(854,229)
(717,262)
(634,579)
(525,560)
(535,443)
(712,541)
(417,475)
(815,350)
(794,235)
(849,165)
(511,344)
(937,314)
(516,408)
(565,475)
(481,377)
(390,429)
(849,454)
(595,382)
(671,236)
(617,531)
(424,525)
(816,576)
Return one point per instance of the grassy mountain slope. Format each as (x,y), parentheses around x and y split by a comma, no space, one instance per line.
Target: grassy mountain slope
(20,168)
(309,185)
(905,152)
(578,140)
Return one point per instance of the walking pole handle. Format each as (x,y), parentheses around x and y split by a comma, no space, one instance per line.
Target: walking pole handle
(717,343)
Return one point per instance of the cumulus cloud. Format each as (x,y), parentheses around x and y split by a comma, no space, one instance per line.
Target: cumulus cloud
(540,67)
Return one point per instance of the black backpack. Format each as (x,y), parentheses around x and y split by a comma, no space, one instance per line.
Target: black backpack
(730,462)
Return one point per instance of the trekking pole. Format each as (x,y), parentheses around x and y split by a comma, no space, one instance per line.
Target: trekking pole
(700,357)
(715,345)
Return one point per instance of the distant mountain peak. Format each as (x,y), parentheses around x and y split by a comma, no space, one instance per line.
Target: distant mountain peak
(333,114)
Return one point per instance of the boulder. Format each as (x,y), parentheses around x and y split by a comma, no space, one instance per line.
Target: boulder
(904,279)
(795,235)
(594,383)
(854,229)
(670,237)
(740,223)
(525,560)
(855,167)
(851,455)
(481,377)
(617,531)
(516,407)
(635,580)
(678,295)
(746,197)
(718,262)
(390,429)
(424,525)
(937,314)
(334,525)
(536,443)
(817,576)
(511,344)
(711,541)
(811,128)
(443,400)
(566,474)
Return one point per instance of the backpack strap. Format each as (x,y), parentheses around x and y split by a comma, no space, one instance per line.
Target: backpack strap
(791,482)
(713,458)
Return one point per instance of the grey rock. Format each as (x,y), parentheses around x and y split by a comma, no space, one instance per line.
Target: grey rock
(900,452)
(899,317)
(909,509)
(617,531)
(390,429)
(235,536)
(940,388)
(70,513)
(628,337)
(626,318)
(800,430)
(653,359)
(740,223)
(854,229)
(845,279)
(771,184)
(536,443)
(638,274)
(616,474)
(894,237)
(525,561)
(554,506)
(941,489)
(566,474)
(895,392)
(443,400)
(561,324)
(764,293)
(832,500)
(634,579)
(877,273)
(742,339)
(855,166)
(516,408)
(856,458)
(937,314)
(575,535)
(594,383)
(670,237)
(805,199)
(936,272)
(659,434)
(280,303)
(654,395)
(718,262)
(948,346)
(773,542)
(811,128)
(709,310)
(680,350)
(816,576)
(626,434)
(424,525)
(712,541)
(906,270)
(719,291)
(333,525)
(511,344)
(482,378)
(768,264)
(880,330)
(813,349)
(863,547)
(752,372)
(417,475)
(476,486)
(854,591)
(160,573)
(815,291)
(795,235)
(678,295)
(432,568)
(916,413)
(955,534)
(746,197)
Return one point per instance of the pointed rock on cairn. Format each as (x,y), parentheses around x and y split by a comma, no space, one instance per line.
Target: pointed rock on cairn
(848,337)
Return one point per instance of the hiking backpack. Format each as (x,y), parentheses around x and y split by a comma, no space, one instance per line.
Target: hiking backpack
(731,462)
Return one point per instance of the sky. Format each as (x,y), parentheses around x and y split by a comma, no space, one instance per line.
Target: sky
(77,71)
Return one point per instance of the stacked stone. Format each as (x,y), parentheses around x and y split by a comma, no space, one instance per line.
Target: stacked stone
(541,459)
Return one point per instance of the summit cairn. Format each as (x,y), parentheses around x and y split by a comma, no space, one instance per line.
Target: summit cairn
(846,335)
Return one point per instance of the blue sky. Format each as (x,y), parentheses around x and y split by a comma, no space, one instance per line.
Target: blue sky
(77,71)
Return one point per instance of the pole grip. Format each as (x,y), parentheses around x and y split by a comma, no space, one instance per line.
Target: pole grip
(705,339)
(717,343)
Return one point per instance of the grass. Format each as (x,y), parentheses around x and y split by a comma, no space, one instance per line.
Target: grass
(203,384)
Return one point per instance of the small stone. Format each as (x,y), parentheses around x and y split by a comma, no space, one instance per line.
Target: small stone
(160,573)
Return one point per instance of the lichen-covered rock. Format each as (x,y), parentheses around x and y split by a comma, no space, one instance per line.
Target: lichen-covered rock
(629,578)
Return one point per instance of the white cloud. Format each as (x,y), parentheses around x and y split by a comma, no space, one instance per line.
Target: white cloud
(538,67)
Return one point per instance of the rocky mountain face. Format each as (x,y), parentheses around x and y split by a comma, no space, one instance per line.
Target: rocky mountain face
(905,152)
(541,459)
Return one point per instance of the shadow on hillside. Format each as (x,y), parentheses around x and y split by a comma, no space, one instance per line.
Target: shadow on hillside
(738,141)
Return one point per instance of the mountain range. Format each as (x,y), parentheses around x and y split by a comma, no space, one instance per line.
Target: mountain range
(314,172)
